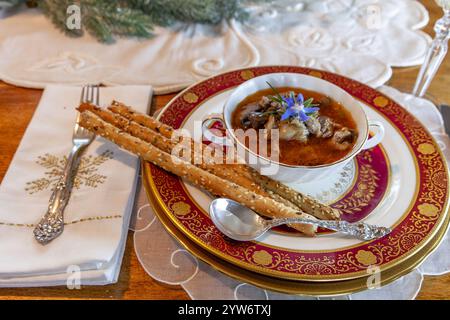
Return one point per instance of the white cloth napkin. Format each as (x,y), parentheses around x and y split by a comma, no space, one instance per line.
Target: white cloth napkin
(100,206)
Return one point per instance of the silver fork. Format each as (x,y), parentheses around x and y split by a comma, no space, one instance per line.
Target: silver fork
(52,224)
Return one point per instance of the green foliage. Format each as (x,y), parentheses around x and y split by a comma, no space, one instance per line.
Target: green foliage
(107,19)
(104,19)
(166,12)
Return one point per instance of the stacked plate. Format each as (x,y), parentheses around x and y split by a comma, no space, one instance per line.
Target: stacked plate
(402,183)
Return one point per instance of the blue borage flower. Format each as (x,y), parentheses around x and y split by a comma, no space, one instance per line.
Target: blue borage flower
(296,107)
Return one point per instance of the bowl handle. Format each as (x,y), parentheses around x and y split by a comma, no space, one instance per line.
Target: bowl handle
(379,134)
(209,135)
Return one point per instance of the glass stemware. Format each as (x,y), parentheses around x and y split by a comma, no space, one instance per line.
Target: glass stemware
(436,52)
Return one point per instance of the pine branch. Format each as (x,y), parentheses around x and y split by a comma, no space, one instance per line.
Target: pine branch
(107,19)
(165,12)
(128,22)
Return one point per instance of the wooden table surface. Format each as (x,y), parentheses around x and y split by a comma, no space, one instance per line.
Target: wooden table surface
(17,106)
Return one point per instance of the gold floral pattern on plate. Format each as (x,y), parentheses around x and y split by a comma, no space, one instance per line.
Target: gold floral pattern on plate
(365,188)
(247,74)
(381,101)
(428,209)
(426,148)
(316,74)
(181,208)
(190,97)
(367,258)
(262,257)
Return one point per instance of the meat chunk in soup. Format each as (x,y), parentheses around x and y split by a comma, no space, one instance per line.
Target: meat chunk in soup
(267,104)
(320,127)
(313,126)
(257,120)
(245,113)
(326,126)
(343,138)
(293,130)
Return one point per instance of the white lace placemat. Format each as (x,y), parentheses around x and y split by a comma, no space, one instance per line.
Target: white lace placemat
(362,39)
(166,261)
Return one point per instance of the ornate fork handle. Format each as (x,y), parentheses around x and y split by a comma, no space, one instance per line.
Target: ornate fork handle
(358,230)
(52,224)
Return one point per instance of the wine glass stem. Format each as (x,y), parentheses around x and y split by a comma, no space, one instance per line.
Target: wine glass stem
(435,55)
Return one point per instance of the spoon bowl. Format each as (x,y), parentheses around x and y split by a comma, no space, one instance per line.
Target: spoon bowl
(236,221)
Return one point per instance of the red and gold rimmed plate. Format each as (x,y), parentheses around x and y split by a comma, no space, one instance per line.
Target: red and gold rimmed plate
(321,289)
(402,184)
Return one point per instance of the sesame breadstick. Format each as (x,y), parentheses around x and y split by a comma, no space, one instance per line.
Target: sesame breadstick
(263,205)
(141,118)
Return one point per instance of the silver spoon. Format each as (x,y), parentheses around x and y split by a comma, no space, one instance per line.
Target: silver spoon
(243,224)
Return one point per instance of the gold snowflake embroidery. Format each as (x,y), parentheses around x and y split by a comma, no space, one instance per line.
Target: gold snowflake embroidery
(87,173)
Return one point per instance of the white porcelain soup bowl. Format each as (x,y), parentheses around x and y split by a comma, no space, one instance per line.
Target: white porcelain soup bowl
(289,173)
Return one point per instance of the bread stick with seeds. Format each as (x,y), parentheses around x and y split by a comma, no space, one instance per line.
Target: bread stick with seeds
(263,205)
(130,127)
(141,118)
(304,202)
(300,200)
(224,171)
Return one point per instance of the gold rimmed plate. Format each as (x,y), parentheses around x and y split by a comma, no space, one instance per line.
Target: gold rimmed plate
(402,184)
(322,289)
